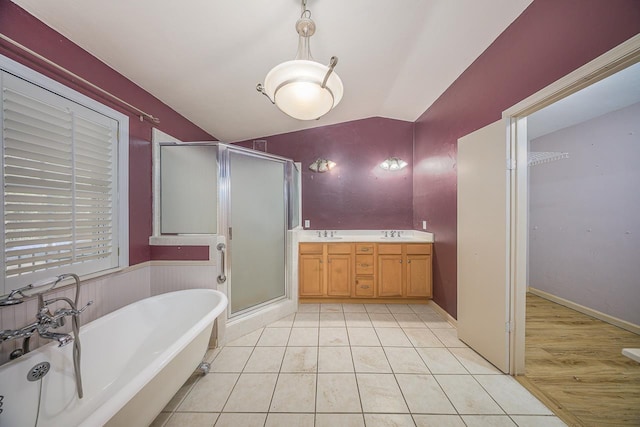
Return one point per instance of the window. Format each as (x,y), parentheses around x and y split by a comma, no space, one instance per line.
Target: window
(63,173)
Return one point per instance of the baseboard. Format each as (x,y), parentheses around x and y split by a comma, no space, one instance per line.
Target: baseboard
(588,311)
(449,318)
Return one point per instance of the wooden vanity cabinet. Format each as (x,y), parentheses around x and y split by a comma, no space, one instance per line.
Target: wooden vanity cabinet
(404,270)
(325,270)
(339,269)
(365,270)
(365,284)
(311,270)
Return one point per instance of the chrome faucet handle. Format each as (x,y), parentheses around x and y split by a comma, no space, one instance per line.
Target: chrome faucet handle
(83,308)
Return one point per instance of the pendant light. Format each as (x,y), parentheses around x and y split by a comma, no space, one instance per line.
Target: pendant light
(303,88)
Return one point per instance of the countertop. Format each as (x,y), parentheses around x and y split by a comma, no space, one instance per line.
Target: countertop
(406,236)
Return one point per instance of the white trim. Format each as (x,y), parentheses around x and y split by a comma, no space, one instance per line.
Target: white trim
(628,326)
(449,318)
(620,57)
(122,221)
(157,136)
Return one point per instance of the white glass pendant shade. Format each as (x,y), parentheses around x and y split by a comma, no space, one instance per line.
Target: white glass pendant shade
(296,88)
(303,88)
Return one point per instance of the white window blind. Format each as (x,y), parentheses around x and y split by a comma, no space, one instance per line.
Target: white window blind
(60,185)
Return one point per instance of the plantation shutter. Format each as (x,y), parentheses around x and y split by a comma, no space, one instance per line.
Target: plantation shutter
(59,171)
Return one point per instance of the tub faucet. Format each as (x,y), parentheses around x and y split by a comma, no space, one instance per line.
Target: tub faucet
(63,339)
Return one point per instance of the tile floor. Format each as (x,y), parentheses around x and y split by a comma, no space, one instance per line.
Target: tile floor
(333,365)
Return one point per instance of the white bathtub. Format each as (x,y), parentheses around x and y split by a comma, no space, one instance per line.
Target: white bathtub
(133,361)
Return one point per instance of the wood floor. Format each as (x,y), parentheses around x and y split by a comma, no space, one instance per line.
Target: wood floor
(575,366)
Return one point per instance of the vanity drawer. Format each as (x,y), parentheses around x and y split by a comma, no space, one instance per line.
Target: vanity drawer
(310,248)
(364,287)
(419,248)
(364,248)
(364,264)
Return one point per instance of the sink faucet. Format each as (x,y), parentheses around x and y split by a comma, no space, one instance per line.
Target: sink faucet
(325,233)
(393,233)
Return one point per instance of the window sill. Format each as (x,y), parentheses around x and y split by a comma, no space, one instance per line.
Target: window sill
(184,240)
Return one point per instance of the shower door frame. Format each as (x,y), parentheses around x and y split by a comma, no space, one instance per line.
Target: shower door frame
(224,224)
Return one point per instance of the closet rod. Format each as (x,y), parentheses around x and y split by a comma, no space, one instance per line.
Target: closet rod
(138,111)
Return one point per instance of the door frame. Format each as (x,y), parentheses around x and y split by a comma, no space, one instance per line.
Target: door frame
(618,58)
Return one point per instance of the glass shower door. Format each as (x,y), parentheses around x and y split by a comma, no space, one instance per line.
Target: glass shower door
(256,230)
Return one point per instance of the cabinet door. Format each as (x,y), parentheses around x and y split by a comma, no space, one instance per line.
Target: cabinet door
(418,276)
(311,275)
(339,275)
(364,287)
(390,275)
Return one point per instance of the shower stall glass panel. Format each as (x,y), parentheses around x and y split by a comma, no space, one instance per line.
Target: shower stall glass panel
(254,197)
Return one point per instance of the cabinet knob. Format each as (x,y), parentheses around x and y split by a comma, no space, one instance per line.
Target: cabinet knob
(400,261)
(409,261)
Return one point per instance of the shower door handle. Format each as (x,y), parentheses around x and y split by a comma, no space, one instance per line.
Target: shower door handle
(222,277)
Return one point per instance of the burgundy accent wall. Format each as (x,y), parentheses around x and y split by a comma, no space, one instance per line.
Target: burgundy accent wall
(32,33)
(548,40)
(180,253)
(357,194)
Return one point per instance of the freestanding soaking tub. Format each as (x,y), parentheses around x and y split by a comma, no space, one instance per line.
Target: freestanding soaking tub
(133,361)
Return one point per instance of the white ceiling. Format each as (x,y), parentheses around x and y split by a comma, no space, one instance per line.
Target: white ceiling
(204,58)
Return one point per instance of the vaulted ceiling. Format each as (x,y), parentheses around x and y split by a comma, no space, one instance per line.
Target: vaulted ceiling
(204,58)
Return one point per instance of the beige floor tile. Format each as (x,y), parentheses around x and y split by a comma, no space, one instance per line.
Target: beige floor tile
(409,320)
(330,308)
(211,354)
(449,337)
(286,420)
(383,320)
(353,308)
(488,421)
(252,393)
(333,337)
(337,393)
(393,337)
(438,421)
(399,308)
(511,396)
(421,308)
(370,359)
(332,320)
(181,393)
(210,393)
(303,337)
(423,395)
(248,340)
(274,337)
(285,322)
(300,359)
(192,419)
(231,359)
(307,320)
(265,359)
(376,308)
(161,419)
(363,337)
(422,337)
(405,360)
(357,320)
(339,420)
(380,393)
(467,396)
(294,393)
(473,362)
(441,361)
(244,420)
(537,421)
(388,420)
(335,359)
(308,308)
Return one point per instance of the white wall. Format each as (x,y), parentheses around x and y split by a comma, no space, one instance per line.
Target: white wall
(584,224)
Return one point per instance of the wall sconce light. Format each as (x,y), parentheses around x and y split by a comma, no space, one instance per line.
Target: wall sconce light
(393,164)
(321,165)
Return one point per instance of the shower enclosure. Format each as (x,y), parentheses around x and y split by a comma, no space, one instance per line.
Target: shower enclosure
(249,200)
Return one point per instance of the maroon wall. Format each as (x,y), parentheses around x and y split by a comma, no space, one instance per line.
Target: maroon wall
(550,39)
(27,30)
(357,194)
